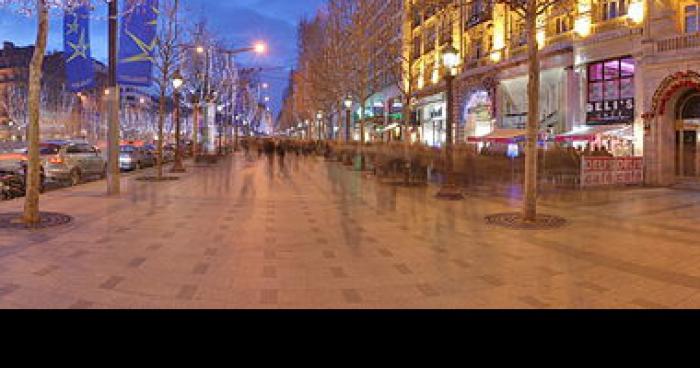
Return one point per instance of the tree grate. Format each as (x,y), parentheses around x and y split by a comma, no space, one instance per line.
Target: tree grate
(515,221)
(13,220)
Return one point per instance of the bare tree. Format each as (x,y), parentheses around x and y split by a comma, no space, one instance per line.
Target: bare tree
(13,101)
(530,11)
(39,9)
(167,60)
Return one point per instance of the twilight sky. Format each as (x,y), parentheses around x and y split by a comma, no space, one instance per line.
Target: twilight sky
(239,22)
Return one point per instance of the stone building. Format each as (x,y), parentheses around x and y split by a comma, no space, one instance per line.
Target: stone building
(64,114)
(385,106)
(620,74)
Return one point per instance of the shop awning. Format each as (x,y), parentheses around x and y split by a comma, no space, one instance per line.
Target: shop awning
(501,136)
(591,133)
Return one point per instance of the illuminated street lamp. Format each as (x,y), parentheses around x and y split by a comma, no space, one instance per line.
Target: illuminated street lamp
(319,118)
(449,189)
(348,106)
(178,82)
(260,48)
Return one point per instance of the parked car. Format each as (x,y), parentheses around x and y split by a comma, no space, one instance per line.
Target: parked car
(13,168)
(134,158)
(169,152)
(71,162)
(152,152)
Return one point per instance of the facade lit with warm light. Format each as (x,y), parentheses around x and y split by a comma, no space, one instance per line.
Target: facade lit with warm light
(621,73)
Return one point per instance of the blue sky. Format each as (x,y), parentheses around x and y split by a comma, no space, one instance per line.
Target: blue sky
(239,22)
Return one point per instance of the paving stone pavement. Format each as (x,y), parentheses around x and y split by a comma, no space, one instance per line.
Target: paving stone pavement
(314,234)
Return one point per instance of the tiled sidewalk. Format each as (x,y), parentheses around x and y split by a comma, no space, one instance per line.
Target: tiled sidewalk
(315,235)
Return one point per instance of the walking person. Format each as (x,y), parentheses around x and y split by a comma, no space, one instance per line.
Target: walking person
(281,151)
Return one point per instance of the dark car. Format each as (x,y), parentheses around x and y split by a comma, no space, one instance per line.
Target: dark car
(169,151)
(13,168)
(152,152)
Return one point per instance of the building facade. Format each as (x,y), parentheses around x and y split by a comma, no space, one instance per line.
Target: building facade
(384,108)
(64,114)
(625,72)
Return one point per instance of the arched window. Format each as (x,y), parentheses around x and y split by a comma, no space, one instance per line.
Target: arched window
(690,108)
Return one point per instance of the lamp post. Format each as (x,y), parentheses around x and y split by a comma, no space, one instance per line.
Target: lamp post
(449,189)
(113,173)
(319,118)
(178,81)
(348,106)
(221,131)
(235,133)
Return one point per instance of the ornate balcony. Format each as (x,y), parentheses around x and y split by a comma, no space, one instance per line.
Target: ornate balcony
(676,43)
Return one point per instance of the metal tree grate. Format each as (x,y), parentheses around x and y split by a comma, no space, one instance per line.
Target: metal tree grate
(515,221)
(13,220)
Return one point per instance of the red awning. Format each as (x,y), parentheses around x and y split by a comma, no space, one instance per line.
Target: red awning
(500,136)
(591,133)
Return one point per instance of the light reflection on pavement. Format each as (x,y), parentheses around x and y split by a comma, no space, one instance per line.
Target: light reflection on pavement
(313,234)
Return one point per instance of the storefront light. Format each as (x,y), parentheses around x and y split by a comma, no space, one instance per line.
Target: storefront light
(499,32)
(496,56)
(435,77)
(582,26)
(541,35)
(636,11)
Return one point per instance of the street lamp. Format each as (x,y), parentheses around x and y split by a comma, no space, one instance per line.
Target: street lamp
(178,81)
(348,106)
(319,118)
(260,48)
(449,189)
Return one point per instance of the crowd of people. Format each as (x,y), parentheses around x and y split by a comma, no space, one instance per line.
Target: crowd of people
(281,147)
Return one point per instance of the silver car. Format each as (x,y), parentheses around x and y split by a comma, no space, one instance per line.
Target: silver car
(71,162)
(134,158)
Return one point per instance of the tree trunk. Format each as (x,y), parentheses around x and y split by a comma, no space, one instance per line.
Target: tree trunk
(406,138)
(362,136)
(161,123)
(33,171)
(195,129)
(530,195)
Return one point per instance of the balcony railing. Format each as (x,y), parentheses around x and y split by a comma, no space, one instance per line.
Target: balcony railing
(678,43)
(611,24)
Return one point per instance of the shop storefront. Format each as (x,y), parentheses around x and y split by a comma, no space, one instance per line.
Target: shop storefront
(431,113)
(611,92)
(609,109)
(478,119)
(513,100)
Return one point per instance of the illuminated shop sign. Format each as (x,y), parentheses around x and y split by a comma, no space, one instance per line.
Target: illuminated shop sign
(611,91)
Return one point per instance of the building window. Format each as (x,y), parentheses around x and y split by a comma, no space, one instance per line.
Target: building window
(611,91)
(430,39)
(691,18)
(562,24)
(477,49)
(417,18)
(614,8)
